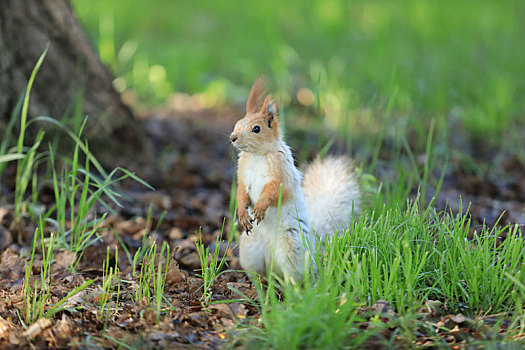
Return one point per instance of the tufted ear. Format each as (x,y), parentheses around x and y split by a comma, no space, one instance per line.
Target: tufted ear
(269,109)
(256,95)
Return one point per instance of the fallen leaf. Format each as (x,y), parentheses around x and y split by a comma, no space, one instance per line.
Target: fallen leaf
(239,309)
(459,318)
(63,326)
(65,258)
(5,328)
(174,275)
(191,261)
(223,310)
(32,332)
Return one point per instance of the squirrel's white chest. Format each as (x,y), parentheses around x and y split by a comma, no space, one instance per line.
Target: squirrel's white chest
(256,175)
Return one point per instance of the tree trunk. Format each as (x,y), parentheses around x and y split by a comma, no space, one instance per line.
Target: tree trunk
(70,69)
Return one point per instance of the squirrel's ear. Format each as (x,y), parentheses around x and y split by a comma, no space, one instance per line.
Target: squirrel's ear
(256,95)
(269,109)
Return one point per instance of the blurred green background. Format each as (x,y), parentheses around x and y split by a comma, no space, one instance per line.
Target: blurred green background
(366,66)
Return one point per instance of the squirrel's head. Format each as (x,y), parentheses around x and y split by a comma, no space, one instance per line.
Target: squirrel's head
(259,130)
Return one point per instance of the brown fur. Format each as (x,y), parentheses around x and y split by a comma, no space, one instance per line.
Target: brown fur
(267,100)
(270,193)
(257,115)
(256,95)
(275,161)
(269,196)
(262,142)
(243,201)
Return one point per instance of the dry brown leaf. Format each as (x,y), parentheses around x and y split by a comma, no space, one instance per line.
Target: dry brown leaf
(65,258)
(459,318)
(32,332)
(239,309)
(6,328)
(191,261)
(63,326)
(223,309)
(174,275)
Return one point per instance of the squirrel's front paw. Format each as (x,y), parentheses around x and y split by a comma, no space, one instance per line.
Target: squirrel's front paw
(245,220)
(259,211)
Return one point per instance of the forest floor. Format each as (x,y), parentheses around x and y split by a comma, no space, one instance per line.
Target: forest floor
(191,166)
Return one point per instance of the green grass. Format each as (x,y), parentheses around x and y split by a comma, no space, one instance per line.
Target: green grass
(212,264)
(27,163)
(455,61)
(76,192)
(152,275)
(406,257)
(71,222)
(111,280)
(36,295)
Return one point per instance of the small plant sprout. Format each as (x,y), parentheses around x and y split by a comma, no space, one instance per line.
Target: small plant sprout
(77,192)
(211,263)
(36,295)
(75,198)
(160,281)
(152,279)
(110,282)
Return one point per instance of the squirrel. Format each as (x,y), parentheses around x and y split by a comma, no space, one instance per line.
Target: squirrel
(311,207)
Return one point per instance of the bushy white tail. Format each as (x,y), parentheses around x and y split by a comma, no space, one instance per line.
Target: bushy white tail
(331,192)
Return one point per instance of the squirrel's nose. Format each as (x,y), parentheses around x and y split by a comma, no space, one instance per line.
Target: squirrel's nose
(233,137)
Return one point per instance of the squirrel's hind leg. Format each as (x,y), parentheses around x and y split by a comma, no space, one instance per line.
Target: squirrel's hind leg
(252,254)
(289,255)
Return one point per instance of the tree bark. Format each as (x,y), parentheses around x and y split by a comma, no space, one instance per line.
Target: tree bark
(70,69)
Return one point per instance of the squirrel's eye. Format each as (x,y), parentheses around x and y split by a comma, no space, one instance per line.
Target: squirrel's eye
(256,129)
